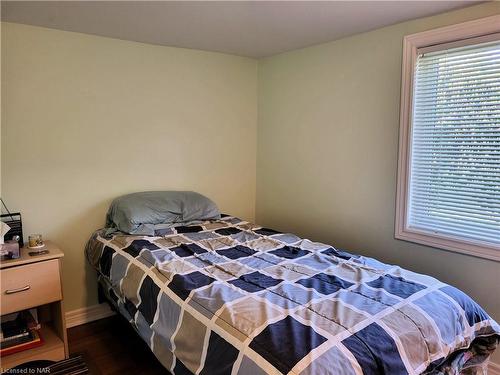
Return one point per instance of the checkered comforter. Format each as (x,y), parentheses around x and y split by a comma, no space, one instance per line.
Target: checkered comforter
(230,297)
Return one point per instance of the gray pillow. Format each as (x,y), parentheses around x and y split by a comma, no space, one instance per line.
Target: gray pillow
(138,213)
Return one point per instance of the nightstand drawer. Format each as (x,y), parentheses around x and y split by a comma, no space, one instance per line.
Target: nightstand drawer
(30,285)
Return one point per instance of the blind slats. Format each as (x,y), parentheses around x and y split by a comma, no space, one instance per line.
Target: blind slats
(464,89)
(451,223)
(458,55)
(459,230)
(465,154)
(455,61)
(481,64)
(450,131)
(470,172)
(446,137)
(450,80)
(459,177)
(464,223)
(467,102)
(457,125)
(445,148)
(462,115)
(486,197)
(437,111)
(455,150)
(450,207)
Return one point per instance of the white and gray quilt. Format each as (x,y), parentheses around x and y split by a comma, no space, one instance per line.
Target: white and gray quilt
(230,297)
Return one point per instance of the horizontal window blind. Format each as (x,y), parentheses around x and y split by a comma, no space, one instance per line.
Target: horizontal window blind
(454,184)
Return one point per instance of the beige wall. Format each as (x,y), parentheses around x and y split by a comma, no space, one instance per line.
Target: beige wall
(88,118)
(327,152)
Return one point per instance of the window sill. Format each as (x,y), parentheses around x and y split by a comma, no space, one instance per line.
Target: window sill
(474,248)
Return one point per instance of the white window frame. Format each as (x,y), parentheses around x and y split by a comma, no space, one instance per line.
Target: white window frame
(458,34)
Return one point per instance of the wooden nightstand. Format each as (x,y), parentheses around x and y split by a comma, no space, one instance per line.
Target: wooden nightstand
(35,282)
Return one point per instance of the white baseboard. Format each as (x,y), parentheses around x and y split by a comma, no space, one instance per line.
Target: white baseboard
(87,314)
(493,368)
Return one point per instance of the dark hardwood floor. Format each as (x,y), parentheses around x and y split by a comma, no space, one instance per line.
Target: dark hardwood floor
(111,346)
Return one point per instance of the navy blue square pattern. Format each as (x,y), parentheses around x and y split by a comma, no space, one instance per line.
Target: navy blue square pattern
(255,282)
(221,356)
(372,344)
(338,253)
(138,245)
(266,231)
(182,251)
(188,229)
(227,231)
(149,295)
(130,307)
(106,260)
(277,343)
(180,369)
(396,285)
(188,250)
(325,284)
(289,252)
(182,285)
(236,252)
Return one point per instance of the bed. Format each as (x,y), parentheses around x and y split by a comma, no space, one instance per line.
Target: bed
(230,297)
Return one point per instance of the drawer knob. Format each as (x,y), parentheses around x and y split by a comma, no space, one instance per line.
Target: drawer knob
(12,291)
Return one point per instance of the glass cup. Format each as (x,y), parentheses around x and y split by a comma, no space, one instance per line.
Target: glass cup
(35,240)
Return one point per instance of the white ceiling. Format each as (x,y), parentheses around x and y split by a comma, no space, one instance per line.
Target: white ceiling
(246,28)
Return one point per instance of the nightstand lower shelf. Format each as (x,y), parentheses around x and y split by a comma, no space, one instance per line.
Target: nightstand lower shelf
(52,350)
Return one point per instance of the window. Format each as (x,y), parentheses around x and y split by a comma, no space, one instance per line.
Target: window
(449,153)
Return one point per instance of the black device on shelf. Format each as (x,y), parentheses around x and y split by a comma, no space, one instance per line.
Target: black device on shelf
(13,220)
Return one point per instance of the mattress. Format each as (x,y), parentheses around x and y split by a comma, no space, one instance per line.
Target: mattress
(231,297)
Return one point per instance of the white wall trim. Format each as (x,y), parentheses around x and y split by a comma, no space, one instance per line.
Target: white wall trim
(493,368)
(87,314)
